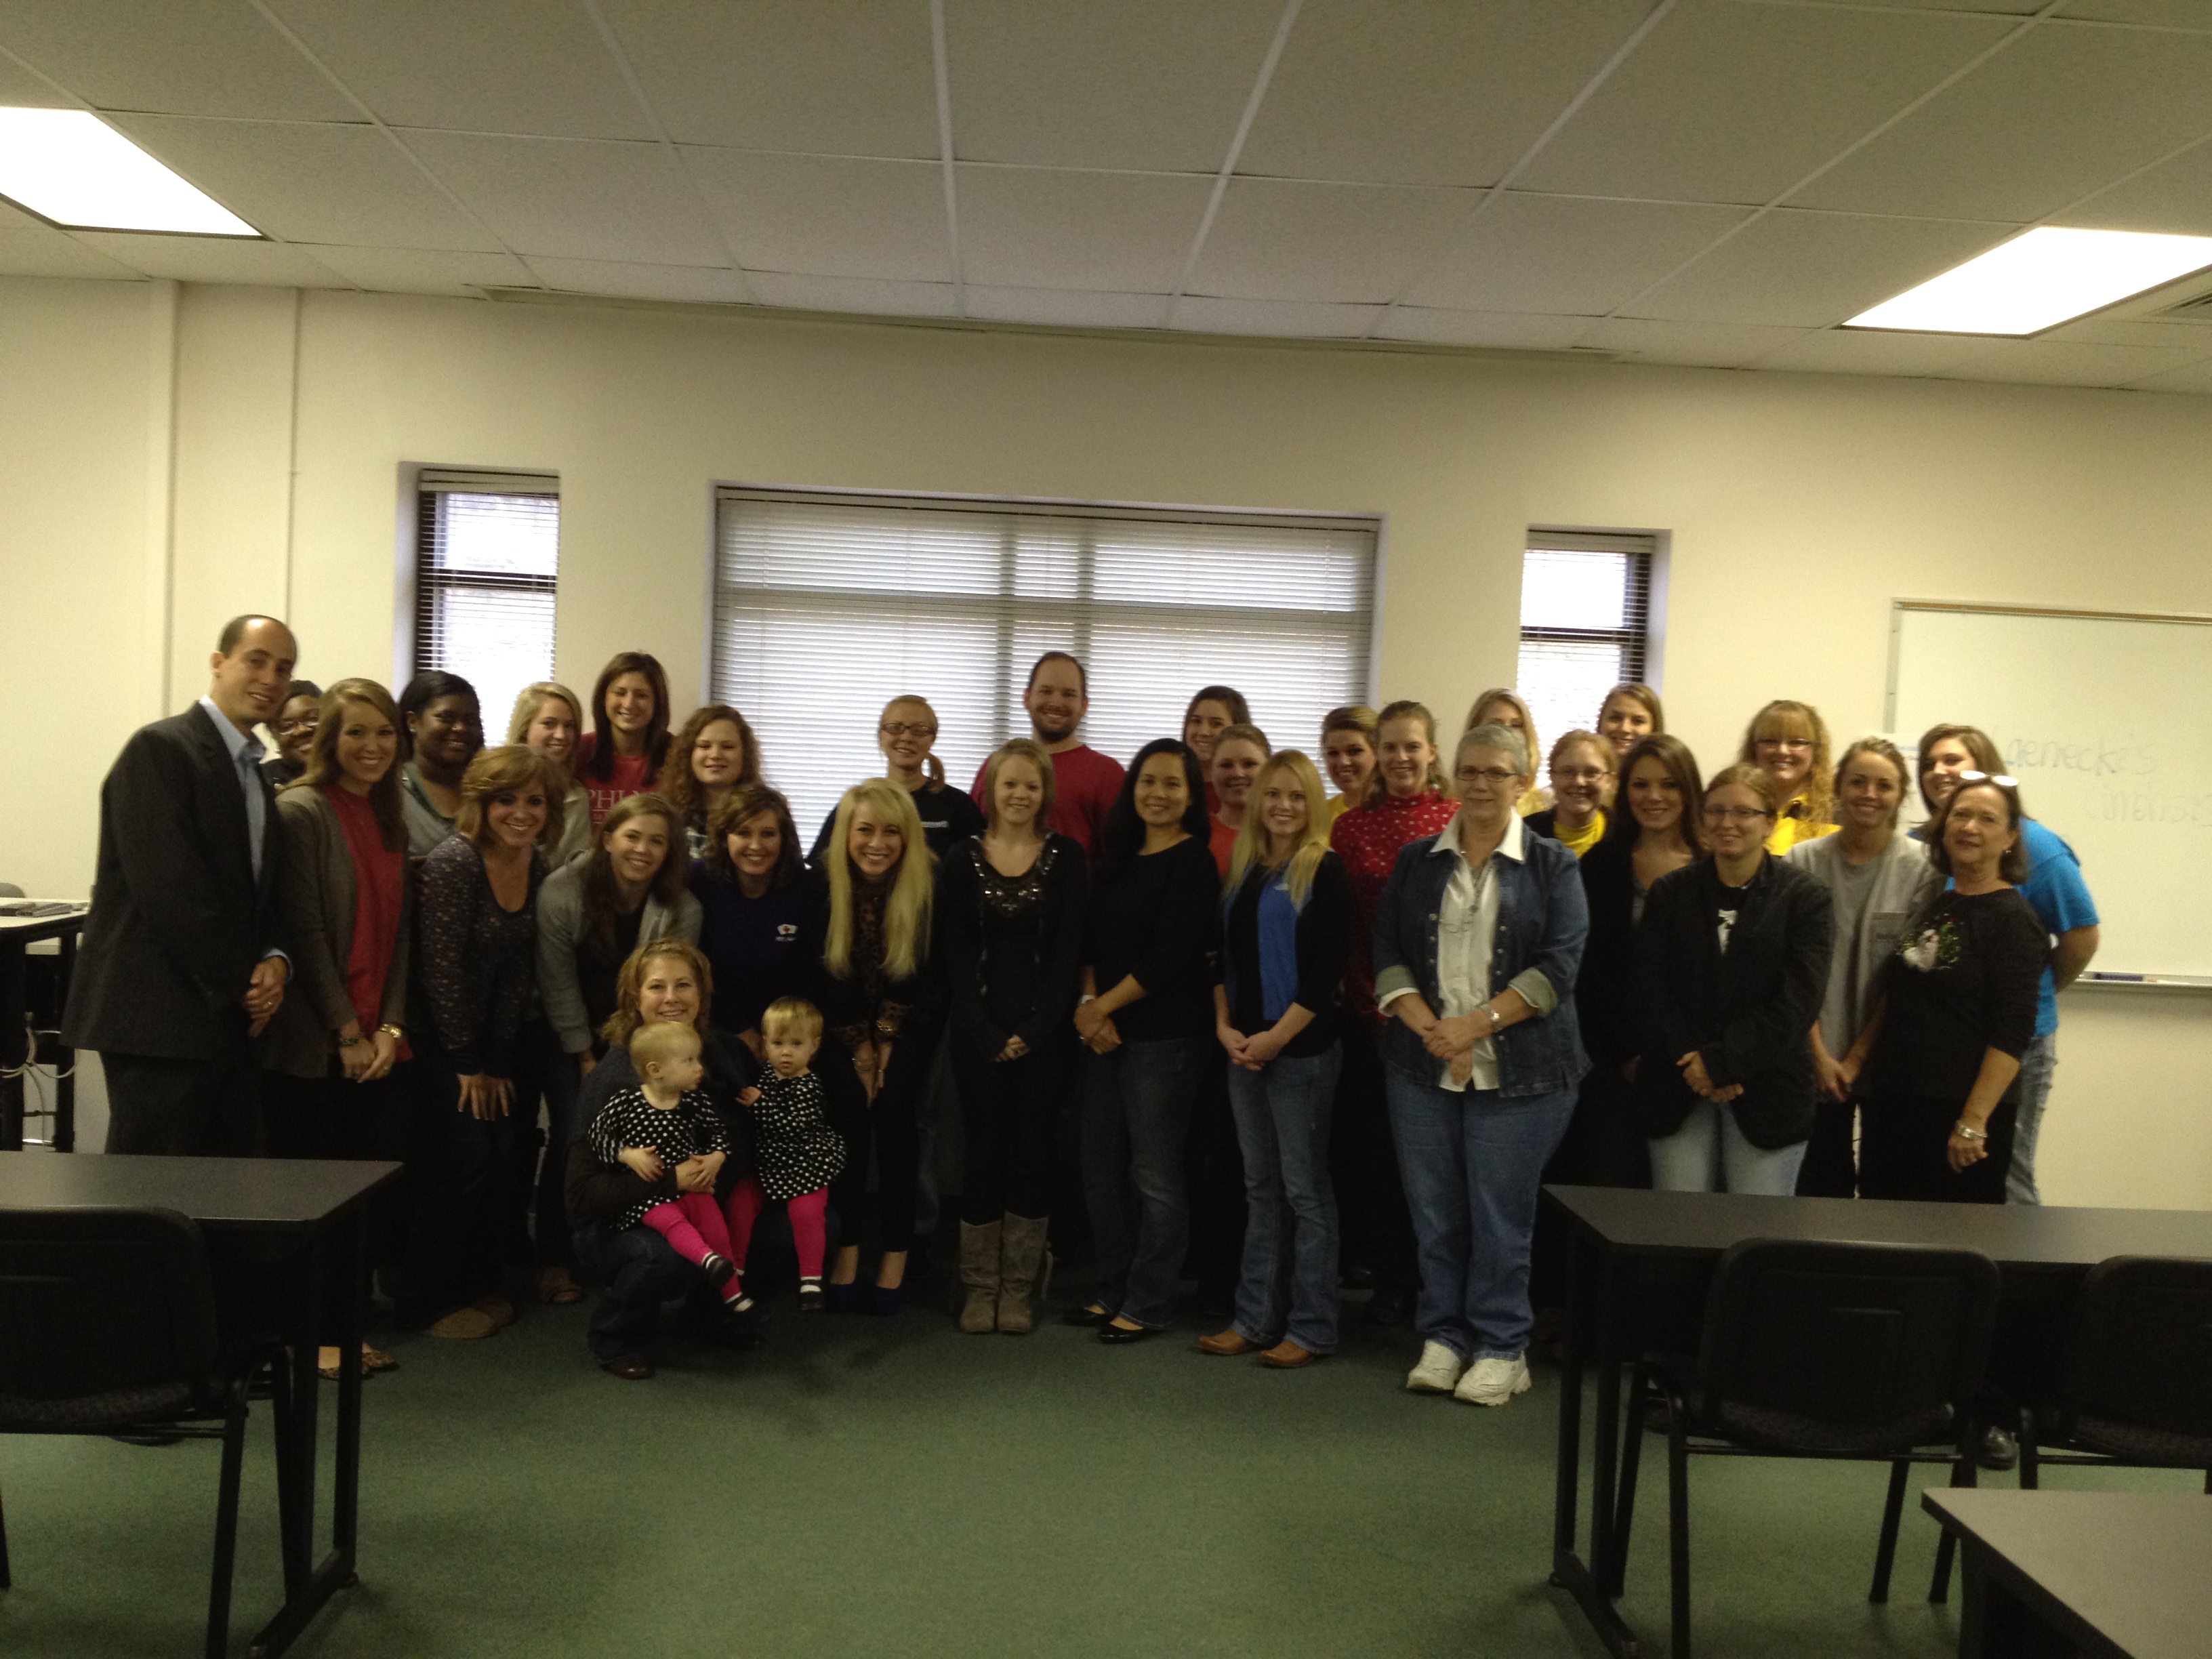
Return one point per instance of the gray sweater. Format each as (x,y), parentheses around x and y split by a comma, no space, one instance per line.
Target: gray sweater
(319,899)
(561,925)
(1871,904)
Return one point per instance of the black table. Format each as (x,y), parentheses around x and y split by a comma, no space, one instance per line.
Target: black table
(2110,1575)
(1640,1262)
(263,1217)
(15,933)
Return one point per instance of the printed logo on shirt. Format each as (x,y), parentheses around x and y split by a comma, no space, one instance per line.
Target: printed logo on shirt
(1728,927)
(786,932)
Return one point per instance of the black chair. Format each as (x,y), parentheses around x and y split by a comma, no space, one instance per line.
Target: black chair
(107,1327)
(2136,1389)
(1866,1352)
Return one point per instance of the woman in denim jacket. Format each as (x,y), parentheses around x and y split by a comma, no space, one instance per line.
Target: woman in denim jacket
(1478,939)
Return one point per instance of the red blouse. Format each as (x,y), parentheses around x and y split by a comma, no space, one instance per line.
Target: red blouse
(378,885)
(1368,839)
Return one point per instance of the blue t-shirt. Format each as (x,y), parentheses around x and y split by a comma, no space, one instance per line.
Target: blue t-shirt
(2061,899)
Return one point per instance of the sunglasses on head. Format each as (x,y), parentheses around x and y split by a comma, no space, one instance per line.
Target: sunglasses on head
(1997,778)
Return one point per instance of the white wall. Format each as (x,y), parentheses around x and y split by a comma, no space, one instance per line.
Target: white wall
(1799,507)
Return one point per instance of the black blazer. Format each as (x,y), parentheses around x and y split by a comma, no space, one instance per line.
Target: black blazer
(177,920)
(1748,1013)
(1605,988)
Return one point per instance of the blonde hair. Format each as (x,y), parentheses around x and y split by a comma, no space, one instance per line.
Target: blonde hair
(1030,750)
(1241,733)
(1252,838)
(792,1016)
(1636,692)
(531,698)
(906,914)
(623,1023)
(1513,699)
(501,771)
(660,1043)
(931,765)
(1784,718)
(1589,741)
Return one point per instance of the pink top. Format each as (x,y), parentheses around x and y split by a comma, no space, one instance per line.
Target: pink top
(627,776)
(1085,783)
(1368,839)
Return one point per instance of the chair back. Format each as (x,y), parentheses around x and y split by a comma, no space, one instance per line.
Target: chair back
(1859,1337)
(96,1301)
(2140,1349)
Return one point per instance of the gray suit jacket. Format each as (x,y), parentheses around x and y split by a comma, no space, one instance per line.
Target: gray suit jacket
(319,895)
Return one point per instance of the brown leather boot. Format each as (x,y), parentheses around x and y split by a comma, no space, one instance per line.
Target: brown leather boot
(1024,1252)
(979,1271)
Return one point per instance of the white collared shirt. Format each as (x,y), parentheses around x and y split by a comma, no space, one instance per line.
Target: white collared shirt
(1467,936)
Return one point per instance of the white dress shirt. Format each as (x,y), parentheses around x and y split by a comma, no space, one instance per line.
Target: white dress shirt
(1467,934)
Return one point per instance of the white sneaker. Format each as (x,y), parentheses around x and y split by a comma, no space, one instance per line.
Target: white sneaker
(1493,1382)
(1438,1370)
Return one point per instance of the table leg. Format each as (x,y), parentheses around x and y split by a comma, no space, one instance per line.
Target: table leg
(352,1259)
(1604,1442)
(1565,1495)
(13,1052)
(64,1136)
(1593,1337)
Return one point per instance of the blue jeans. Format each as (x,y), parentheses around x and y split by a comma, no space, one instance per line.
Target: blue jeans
(564,1126)
(2036,1063)
(1473,1163)
(1708,1147)
(1289,1283)
(640,1270)
(1136,1118)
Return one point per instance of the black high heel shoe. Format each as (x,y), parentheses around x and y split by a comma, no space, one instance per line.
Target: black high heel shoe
(1117,1334)
(1085,1313)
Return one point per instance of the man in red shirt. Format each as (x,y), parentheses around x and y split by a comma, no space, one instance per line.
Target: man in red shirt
(1084,782)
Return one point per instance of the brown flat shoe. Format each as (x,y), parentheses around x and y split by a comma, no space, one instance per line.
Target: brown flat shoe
(373,1360)
(497,1308)
(466,1322)
(1288,1356)
(1226,1343)
(633,1368)
(557,1287)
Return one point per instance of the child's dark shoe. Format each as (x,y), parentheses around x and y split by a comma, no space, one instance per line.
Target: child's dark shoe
(720,1270)
(810,1299)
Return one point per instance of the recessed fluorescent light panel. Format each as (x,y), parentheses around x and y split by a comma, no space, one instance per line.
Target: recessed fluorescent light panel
(2038,280)
(71,167)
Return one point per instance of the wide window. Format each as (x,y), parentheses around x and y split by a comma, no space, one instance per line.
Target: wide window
(487,550)
(827,605)
(1585,623)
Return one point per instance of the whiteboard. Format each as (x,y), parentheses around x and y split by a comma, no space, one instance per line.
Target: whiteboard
(2097,716)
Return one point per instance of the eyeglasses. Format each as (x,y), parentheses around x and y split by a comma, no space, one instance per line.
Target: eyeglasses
(1496,776)
(1740,814)
(1997,778)
(902,729)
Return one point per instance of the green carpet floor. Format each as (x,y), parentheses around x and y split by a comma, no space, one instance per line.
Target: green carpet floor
(865,1486)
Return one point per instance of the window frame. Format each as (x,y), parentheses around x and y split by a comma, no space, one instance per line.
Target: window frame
(424,582)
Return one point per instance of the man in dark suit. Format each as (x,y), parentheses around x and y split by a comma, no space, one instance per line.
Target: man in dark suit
(180,969)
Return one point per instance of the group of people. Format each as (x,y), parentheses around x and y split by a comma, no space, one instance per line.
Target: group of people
(1196,1013)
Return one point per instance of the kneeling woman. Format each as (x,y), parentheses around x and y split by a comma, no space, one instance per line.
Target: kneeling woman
(1958,1012)
(882,997)
(1478,939)
(1731,963)
(1286,933)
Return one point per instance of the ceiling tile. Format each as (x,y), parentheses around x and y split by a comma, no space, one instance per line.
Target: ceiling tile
(1710,346)
(2173,198)
(2112,329)
(1506,330)
(487,66)
(2197,379)
(1061,307)
(1867,351)
(2062,363)
(213,259)
(2004,8)
(844,77)
(2164,14)
(19,88)
(856,294)
(413,271)
(828,215)
(1041,227)
(1150,84)
(623,279)
(2050,118)
(1279,240)
(1809,270)
(311,183)
(1288,319)
(577,200)
(1574,255)
(30,249)
(212,57)
(1408,91)
(1735,103)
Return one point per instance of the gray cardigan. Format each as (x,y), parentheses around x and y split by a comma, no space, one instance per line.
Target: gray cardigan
(319,901)
(561,926)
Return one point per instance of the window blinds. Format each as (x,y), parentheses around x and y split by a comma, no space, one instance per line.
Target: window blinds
(827,605)
(486,555)
(1585,616)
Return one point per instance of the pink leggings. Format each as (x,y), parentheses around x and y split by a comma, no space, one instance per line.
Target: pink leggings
(694,1226)
(809,1230)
